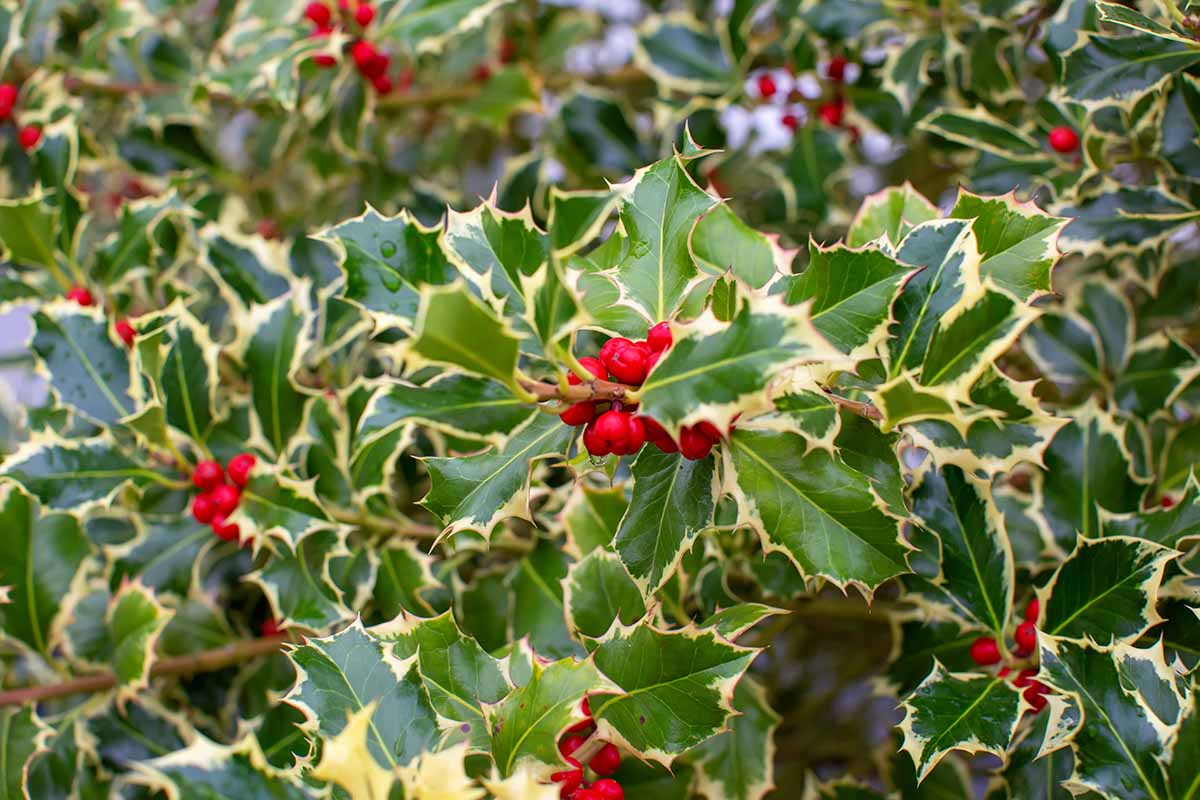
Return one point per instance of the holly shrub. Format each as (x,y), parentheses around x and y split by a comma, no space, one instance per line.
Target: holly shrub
(470,398)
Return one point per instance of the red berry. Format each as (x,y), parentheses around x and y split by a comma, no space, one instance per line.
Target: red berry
(1033,695)
(321,32)
(593,366)
(81,296)
(481,73)
(837,68)
(790,121)
(612,346)
(364,54)
(318,14)
(29,136)
(404,79)
(585,794)
(1024,678)
(203,509)
(985,651)
(708,430)
(227,531)
(364,14)
(608,789)
(239,468)
(507,51)
(125,331)
(569,745)
(268,229)
(324,60)
(617,432)
(1064,139)
(8,99)
(593,442)
(1166,501)
(207,475)
(270,627)
(1003,673)
(1026,637)
(693,444)
(225,498)
(766,86)
(659,338)
(831,113)
(1032,610)
(585,708)
(382,84)
(579,414)
(635,436)
(629,364)
(606,761)
(571,779)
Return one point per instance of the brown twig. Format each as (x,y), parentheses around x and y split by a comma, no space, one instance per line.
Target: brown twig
(596,390)
(854,406)
(204,661)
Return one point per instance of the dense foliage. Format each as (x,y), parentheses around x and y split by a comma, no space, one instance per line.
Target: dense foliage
(634,440)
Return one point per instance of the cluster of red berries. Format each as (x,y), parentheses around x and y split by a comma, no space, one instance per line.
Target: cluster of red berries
(831,111)
(84,297)
(985,652)
(1063,139)
(28,136)
(603,764)
(218,499)
(617,429)
(370,63)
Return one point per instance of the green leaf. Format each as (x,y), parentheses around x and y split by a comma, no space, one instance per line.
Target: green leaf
(979,130)
(502,254)
(536,585)
(1030,774)
(1016,240)
(964,345)
(924,642)
(1130,18)
(529,722)
(659,206)
(135,621)
(892,213)
(342,674)
(69,474)
(275,505)
(598,136)
(255,271)
(39,564)
(1124,219)
(958,711)
(455,329)
(88,372)
(676,687)
(276,340)
(1118,69)
(405,575)
(1106,590)
(1185,749)
(851,292)
(1158,367)
(475,492)
(592,517)
(1116,737)
(599,590)
(165,555)
(716,370)
(206,769)
(297,583)
(133,243)
(19,729)
(507,92)
(732,622)
(672,502)
(27,230)
(977,573)
(738,764)
(426,26)
(821,513)
(189,377)
(1177,527)
(681,54)
(810,413)
(721,242)
(458,675)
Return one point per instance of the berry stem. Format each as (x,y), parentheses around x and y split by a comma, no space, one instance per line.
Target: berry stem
(593,389)
(376,524)
(204,661)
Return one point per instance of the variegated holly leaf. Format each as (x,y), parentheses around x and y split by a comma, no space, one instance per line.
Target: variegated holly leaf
(1127,702)
(681,53)
(454,329)
(597,591)
(528,722)
(732,622)
(675,687)
(1067,351)
(852,293)
(535,585)
(1122,219)
(723,243)
(1130,18)
(1106,590)
(208,769)
(892,213)
(919,642)
(1157,367)
(427,26)
(716,370)
(27,229)
(980,130)
(70,474)
(134,243)
(340,675)
(1017,241)
(88,372)
(577,217)
(457,673)
(297,580)
(461,405)
(592,516)
(962,711)
(821,513)
(658,208)
(476,492)
(273,505)
(19,730)
(1119,69)
(949,257)
(672,502)
(977,573)
(1176,527)
(251,269)
(739,764)
(1031,774)
(165,555)
(500,253)
(346,759)
(40,565)
(1088,468)
(405,578)
(135,620)
(188,377)
(1185,748)
(275,339)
